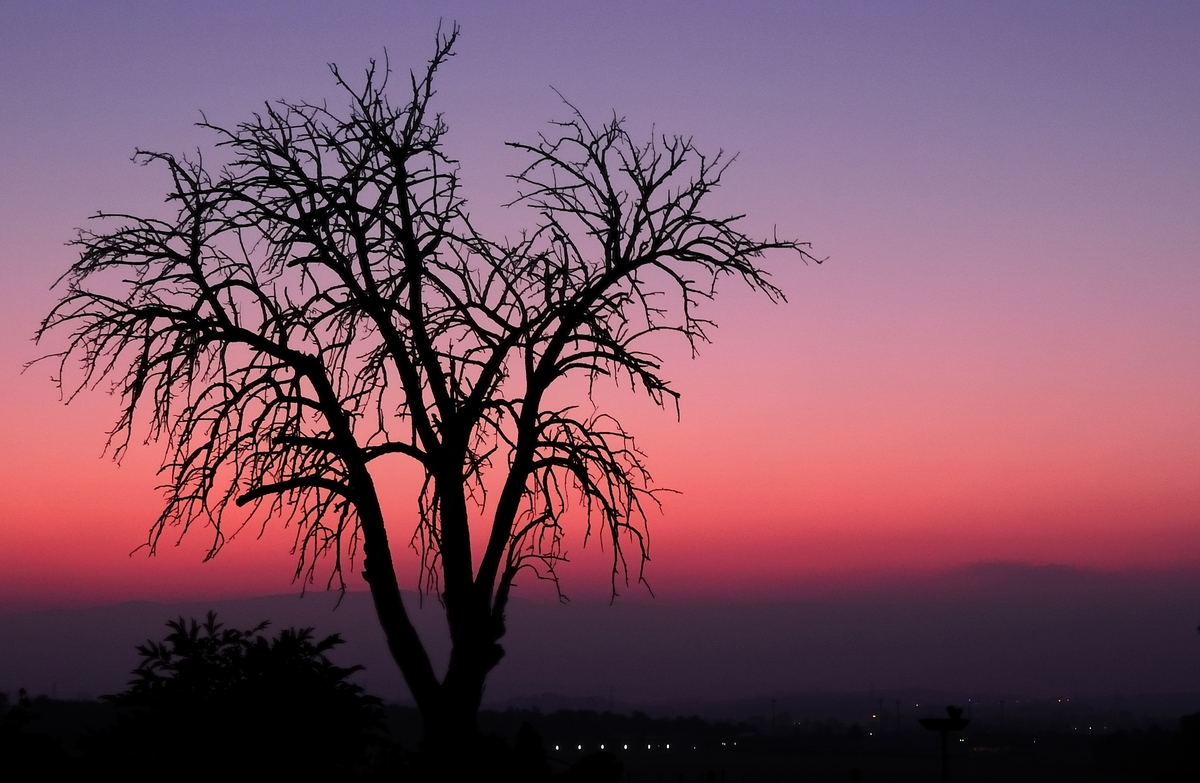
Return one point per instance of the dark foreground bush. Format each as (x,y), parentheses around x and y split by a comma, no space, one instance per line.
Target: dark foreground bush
(211,702)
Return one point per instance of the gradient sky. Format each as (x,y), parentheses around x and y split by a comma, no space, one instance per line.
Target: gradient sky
(999,361)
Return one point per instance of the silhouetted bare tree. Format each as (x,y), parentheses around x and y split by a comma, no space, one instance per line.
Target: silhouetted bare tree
(322,302)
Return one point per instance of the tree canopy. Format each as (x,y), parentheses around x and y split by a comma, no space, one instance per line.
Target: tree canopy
(322,302)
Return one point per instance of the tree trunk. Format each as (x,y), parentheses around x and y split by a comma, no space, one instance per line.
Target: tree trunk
(453,747)
(380,574)
(449,709)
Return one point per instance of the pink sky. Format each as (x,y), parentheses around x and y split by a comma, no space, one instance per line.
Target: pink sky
(999,361)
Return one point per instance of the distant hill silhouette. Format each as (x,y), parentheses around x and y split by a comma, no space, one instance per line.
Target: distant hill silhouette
(991,628)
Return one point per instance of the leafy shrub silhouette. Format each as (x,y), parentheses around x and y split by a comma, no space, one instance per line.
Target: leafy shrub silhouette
(210,700)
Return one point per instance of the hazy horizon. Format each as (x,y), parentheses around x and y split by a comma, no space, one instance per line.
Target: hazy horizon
(1004,630)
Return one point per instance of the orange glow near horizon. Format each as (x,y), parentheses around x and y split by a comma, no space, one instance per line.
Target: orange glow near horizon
(999,361)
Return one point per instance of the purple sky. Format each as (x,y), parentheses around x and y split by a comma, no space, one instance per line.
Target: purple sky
(999,361)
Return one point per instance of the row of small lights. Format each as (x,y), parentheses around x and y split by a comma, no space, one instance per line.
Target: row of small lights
(649,747)
(626,747)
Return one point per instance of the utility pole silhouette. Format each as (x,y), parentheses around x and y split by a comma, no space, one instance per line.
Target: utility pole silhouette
(944,726)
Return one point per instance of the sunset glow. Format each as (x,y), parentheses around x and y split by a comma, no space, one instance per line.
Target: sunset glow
(999,361)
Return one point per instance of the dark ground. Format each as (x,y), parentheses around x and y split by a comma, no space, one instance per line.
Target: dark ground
(696,750)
